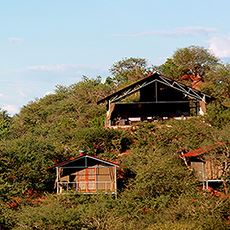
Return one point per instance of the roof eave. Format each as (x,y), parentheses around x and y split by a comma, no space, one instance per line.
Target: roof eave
(62,164)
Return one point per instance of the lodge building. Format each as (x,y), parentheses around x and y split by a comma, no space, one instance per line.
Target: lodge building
(151,98)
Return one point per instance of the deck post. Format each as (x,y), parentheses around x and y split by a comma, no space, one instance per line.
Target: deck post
(115,178)
(57,179)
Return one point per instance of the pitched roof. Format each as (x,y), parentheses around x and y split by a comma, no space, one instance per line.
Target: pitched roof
(202,150)
(81,157)
(154,77)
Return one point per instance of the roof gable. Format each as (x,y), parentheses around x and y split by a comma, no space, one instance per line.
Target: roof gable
(82,157)
(202,150)
(155,77)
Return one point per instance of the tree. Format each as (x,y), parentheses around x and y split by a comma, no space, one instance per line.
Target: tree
(170,69)
(193,59)
(127,70)
(5,122)
(218,83)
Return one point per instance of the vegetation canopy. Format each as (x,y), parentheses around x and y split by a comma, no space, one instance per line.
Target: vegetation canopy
(156,189)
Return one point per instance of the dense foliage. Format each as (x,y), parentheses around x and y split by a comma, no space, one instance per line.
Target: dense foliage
(156,190)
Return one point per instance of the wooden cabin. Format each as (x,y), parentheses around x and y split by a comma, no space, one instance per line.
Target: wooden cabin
(151,98)
(209,168)
(86,174)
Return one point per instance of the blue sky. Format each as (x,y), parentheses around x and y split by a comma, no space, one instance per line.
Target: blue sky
(44,43)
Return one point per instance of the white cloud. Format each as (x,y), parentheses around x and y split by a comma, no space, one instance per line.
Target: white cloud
(220,46)
(1,95)
(15,40)
(183,31)
(51,68)
(60,68)
(12,109)
(194,31)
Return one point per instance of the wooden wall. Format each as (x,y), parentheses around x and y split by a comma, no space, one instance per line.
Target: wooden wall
(208,170)
(98,178)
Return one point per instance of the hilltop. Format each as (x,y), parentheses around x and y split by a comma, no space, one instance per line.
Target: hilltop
(156,190)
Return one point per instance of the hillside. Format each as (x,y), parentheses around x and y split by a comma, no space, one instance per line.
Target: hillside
(156,190)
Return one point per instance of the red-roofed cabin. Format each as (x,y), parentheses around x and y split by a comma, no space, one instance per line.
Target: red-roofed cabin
(86,174)
(209,163)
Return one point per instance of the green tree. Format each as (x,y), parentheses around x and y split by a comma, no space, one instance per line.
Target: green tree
(170,69)
(218,83)
(127,71)
(5,123)
(193,59)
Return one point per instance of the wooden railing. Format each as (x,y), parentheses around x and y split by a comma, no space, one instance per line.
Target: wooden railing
(86,186)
